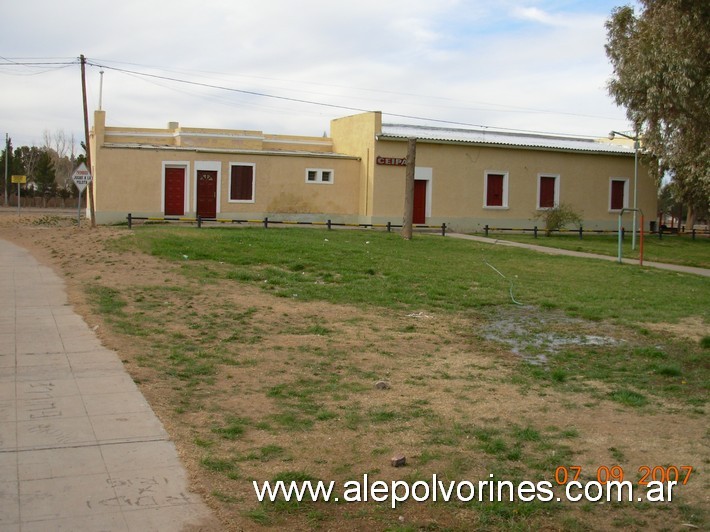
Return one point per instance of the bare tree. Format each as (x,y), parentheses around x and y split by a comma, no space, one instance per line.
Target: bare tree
(28,157)
(60,147)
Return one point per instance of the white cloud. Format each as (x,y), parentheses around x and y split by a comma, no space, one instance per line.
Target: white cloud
(536,15)
(474,61)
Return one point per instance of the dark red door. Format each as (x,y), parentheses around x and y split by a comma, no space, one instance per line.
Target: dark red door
(547,192)
(207,193)
(419,215)
(174,191)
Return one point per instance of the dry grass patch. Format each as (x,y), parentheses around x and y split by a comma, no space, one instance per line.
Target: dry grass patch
(257,387)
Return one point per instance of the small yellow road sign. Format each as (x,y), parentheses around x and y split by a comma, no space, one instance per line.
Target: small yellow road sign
(19,179)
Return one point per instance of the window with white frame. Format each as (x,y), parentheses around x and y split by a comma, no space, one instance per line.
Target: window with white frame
(241,182)
(548,191)
(495,193)
(319,175)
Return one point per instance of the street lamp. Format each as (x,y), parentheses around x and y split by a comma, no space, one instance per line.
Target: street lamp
(635,138)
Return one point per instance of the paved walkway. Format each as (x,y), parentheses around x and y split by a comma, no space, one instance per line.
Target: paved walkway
(80,448)
(556,251)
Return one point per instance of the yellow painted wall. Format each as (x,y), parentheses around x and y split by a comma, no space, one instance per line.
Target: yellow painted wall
(131,180)
(458,175)
(355,135)
(129,175)
(212,139)
(281,186)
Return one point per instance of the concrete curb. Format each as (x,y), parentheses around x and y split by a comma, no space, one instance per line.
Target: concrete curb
(556,251)
(80,447)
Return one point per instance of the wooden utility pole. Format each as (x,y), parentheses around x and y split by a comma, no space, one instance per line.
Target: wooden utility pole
(92,210)
(409,190)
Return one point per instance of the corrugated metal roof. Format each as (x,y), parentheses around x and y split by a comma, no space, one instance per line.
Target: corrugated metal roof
(502,138)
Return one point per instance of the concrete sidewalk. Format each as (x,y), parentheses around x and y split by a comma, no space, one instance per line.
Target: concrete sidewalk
(80,448)
(557,251)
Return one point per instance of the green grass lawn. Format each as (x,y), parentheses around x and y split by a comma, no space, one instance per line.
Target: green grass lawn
(672,249)
(215,358)
(428,273)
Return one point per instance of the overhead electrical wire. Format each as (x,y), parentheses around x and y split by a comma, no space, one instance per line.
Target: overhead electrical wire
(488,107)
(230,89)
(56,65)
(135,73)
(304,101)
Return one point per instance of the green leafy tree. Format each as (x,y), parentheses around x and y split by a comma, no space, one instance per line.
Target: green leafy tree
(14,165)
(44,178)
(81,158)
(6,154)
(670,202)
(661,61)
(26,159)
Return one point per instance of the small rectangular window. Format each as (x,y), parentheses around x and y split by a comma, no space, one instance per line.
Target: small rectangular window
(241,183)
(317,175)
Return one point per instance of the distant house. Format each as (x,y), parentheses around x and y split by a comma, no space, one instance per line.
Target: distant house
(465,178)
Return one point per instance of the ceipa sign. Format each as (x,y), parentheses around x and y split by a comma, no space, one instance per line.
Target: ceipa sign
(391,161)
(19,179)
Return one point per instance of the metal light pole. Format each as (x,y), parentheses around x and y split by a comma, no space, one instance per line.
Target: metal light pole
(7,156)
(635,138)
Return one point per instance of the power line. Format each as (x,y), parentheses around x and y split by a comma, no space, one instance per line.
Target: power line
(488,106)
(304,101)
(230,89)
(64,63)
(31,66)
(13,62)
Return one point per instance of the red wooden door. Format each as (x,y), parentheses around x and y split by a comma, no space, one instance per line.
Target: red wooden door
(547,192)
(419,214)
(207,193)
(174,191)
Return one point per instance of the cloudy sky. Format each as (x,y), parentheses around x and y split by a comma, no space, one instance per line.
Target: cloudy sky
(290,66)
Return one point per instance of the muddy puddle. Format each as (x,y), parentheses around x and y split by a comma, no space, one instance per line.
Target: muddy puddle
(534,333)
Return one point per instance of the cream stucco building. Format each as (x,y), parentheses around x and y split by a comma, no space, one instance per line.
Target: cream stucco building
(465,178)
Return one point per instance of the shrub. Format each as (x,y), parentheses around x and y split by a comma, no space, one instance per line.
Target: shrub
(558,217)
